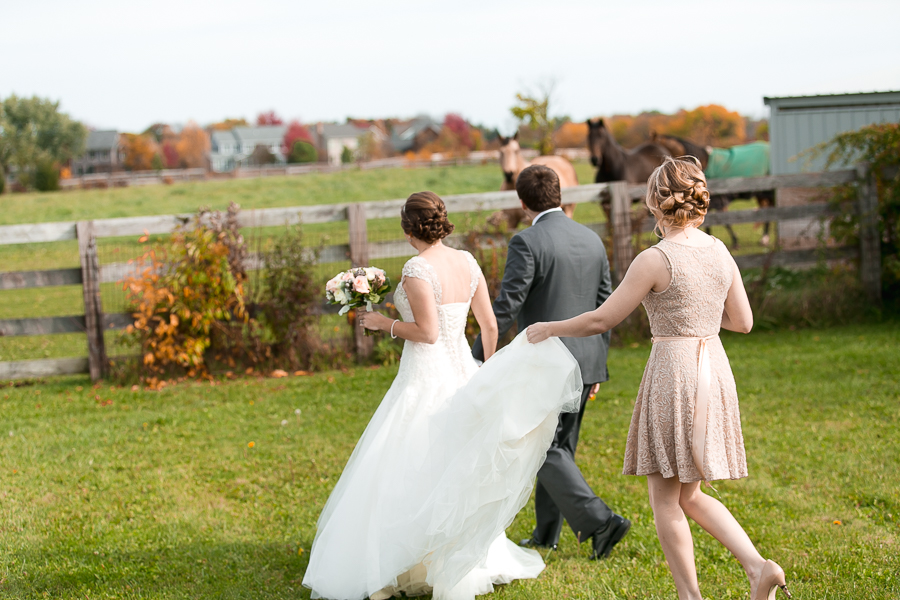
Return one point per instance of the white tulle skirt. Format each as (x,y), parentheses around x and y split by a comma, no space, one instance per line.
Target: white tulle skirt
(425,499)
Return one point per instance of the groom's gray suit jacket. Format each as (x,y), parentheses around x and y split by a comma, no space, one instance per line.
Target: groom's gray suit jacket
(555,270)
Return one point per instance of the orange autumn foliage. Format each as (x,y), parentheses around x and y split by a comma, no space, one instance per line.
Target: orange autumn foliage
(571,135)
(711,125)
(193,146)
(139,151)
(186,293)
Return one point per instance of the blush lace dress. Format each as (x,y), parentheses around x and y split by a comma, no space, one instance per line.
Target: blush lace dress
(446,462)
(685,318)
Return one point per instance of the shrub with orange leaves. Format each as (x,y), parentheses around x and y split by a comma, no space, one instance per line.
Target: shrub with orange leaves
(188,299)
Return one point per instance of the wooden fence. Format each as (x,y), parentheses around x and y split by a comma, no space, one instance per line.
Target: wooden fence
(360,251)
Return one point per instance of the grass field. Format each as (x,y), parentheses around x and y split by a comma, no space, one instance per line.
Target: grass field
(212,491)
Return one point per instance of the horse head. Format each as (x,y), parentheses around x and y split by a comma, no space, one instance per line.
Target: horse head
(596,131)
(510,157)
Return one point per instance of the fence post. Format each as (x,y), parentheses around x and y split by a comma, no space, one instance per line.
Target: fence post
(93,309)
(623,248)
(869,236)
(359,257)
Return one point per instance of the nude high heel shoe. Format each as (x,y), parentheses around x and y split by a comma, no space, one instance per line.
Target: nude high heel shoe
(771,578)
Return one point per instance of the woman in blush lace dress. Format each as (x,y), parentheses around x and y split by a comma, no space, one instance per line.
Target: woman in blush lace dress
(451,453)
(686,426)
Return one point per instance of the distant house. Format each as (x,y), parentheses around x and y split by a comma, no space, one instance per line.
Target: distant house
(332,138)
(233,148)
(415,134)
(103,153)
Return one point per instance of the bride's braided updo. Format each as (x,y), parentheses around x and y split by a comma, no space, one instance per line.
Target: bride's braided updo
(424,217)
(677,194)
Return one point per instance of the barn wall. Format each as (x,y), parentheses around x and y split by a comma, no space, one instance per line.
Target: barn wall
(798,124)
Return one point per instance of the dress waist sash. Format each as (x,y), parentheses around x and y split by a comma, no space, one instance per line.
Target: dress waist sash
(701,403)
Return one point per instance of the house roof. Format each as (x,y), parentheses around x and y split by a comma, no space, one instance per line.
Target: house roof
(332,130)
(102,140)
(834,100)
(260,134)
(404,135)
(219,137)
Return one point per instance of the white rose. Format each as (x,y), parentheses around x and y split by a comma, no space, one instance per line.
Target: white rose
(340,295)
(370,273)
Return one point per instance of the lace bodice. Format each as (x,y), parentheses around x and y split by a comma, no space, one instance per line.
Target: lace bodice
(451,349)
(692,304)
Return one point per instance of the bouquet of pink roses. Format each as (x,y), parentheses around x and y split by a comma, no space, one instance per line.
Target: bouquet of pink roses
(363,286)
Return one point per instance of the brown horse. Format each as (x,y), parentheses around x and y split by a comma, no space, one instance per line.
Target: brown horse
(512,163)
(615,163)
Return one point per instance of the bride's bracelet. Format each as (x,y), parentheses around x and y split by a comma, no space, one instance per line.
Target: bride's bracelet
(394,337)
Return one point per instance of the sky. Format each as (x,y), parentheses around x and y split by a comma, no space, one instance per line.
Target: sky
(125,64)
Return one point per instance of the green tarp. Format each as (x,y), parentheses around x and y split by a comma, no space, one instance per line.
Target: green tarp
(749,160)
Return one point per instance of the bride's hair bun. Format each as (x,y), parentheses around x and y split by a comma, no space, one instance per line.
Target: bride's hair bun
(424,217)
(676,192)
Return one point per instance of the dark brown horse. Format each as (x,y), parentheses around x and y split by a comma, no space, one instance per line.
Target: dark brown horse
(615,163)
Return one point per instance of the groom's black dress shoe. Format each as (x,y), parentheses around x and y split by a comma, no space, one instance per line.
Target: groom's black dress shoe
(604,540)
(531,543)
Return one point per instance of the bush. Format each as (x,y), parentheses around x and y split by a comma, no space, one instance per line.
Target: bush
(2,182)
(303,152)
(288,299)
(46,177)
(189,301)
(879,146)
(346,155)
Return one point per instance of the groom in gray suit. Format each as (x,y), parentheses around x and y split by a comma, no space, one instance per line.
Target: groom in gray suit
(557,269)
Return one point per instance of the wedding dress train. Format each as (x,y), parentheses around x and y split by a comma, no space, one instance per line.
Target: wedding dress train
(445,464)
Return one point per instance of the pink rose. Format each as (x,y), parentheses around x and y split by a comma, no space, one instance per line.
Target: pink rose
(346,276)
(361,285)
(332,285)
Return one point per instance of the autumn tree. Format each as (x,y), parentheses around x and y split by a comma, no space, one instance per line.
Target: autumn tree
(170,157)
(229,124)
(460,129)
(534,111)
(295,132)
(193,146)
(269,118)
(33,132)
(571,135)
(709,125)
(139,150)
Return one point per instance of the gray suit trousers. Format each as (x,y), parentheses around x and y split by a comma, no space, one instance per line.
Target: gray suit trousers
(562,492)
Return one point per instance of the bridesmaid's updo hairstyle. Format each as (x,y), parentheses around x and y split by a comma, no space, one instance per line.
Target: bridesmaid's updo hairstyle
(677,194)
(424,217)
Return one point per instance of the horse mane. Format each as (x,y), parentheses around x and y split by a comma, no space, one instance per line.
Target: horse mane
(690,148)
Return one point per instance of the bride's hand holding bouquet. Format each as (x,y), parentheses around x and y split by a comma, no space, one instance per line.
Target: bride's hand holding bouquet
(359,288)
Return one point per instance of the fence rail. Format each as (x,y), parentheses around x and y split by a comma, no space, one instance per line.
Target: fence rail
(360,251)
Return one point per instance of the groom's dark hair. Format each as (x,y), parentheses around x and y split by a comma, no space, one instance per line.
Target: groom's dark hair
(538,188)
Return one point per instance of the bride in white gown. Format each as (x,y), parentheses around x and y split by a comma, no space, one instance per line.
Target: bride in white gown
(451,454)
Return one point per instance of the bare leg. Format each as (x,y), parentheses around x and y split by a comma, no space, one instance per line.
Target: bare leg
(674,534)
(717,520)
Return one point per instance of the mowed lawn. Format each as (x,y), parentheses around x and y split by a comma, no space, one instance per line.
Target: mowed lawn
(212,491)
